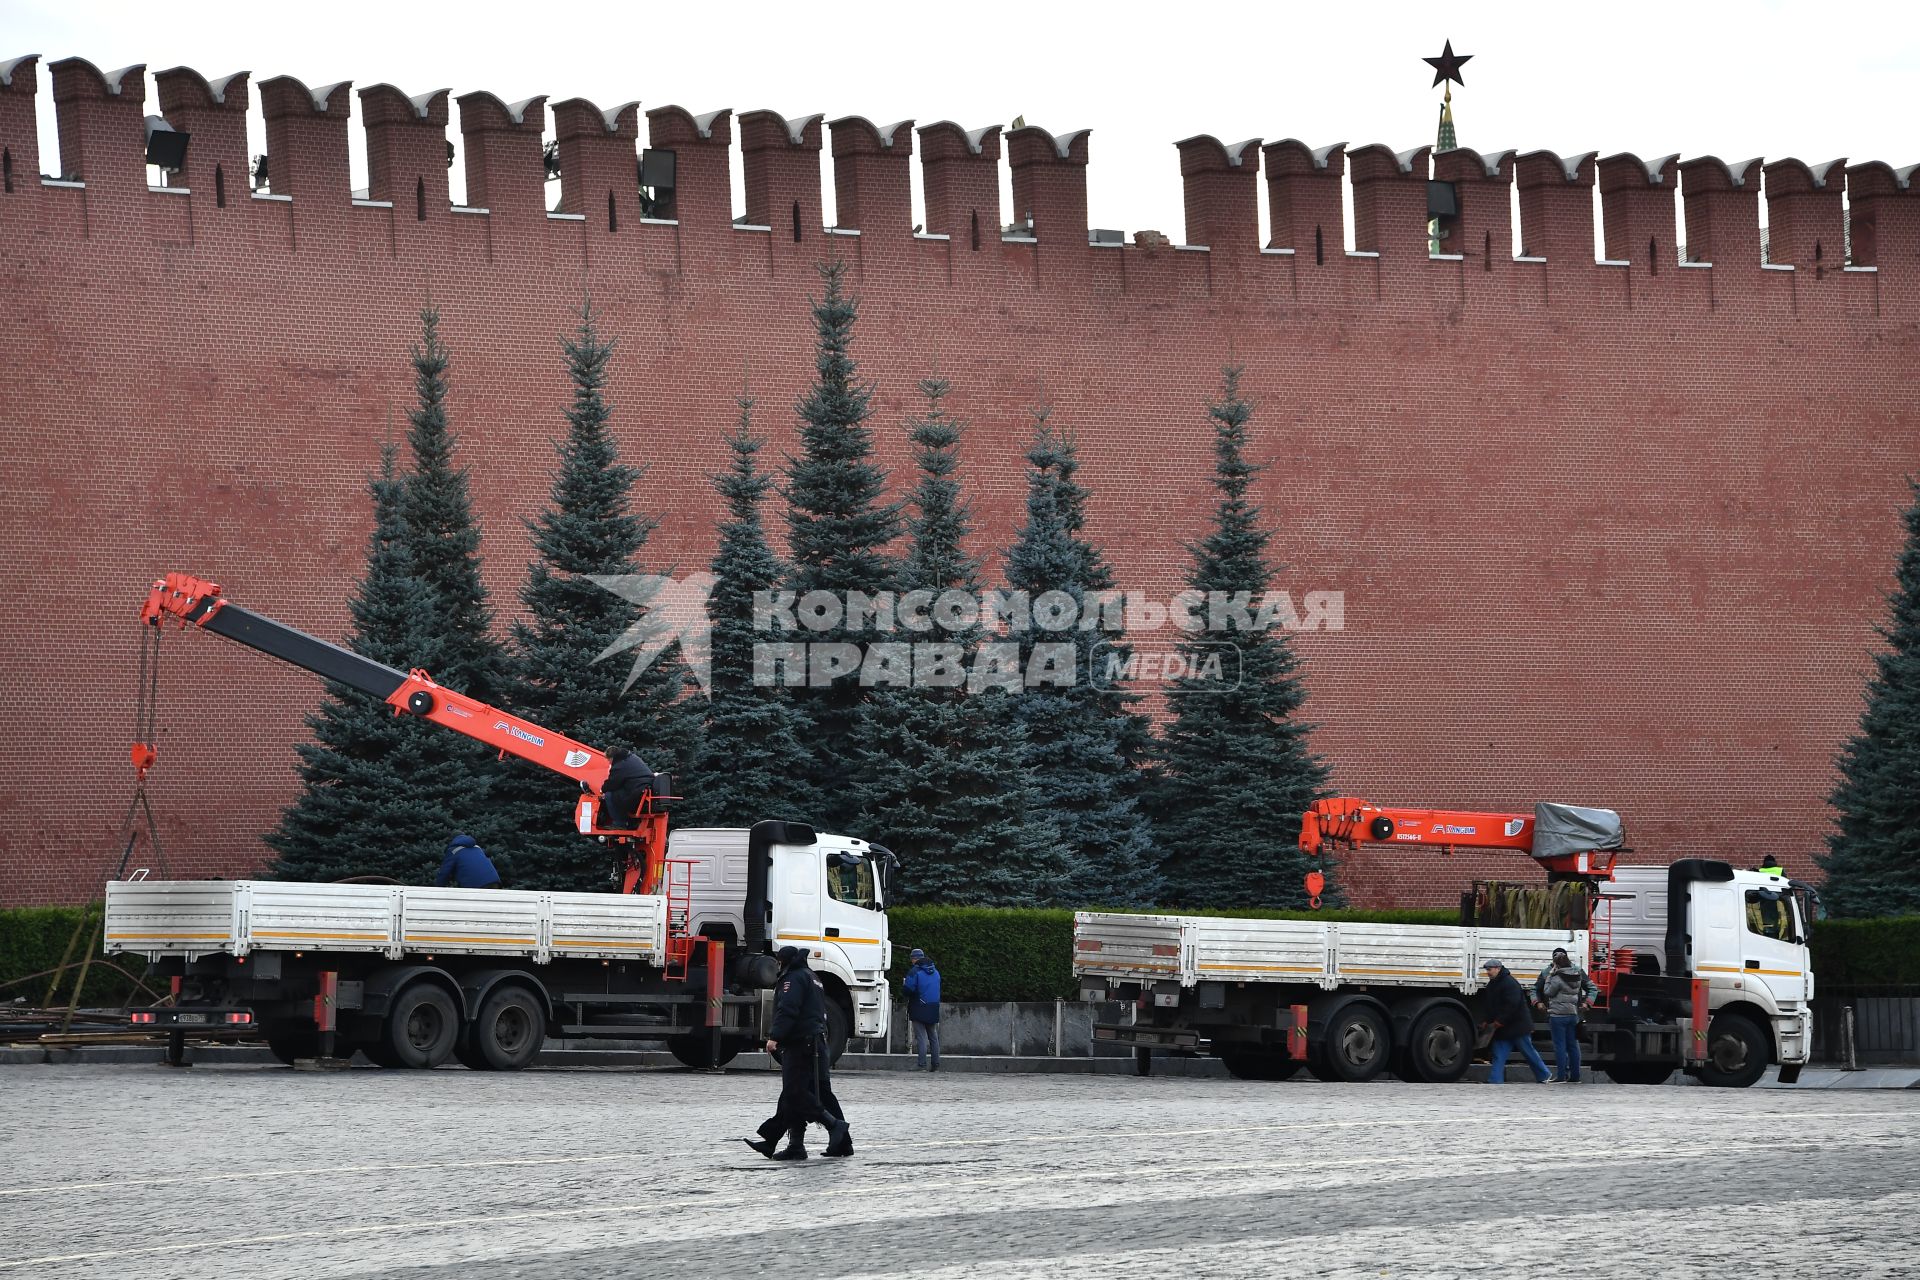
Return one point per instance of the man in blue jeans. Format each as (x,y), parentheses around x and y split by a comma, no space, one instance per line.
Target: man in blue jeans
(1565,991)
(1511,1017)
(922,986)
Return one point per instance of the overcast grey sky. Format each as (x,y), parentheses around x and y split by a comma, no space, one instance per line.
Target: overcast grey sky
(1812,80)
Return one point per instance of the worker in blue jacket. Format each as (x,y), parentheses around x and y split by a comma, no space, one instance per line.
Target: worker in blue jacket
(922,986)
(467,865)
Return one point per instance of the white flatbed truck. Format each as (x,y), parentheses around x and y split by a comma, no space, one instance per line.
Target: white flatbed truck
(1704,968)
(416,976)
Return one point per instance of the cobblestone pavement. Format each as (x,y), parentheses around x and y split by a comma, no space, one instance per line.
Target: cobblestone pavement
(453,1175)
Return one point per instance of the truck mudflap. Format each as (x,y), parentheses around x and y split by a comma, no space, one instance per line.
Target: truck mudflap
(1141,1036)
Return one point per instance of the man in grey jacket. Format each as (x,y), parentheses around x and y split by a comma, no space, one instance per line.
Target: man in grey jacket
(1565,990)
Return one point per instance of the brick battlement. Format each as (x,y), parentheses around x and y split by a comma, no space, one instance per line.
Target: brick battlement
(310,210)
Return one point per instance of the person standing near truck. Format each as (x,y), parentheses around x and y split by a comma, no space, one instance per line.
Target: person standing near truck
(1566,995)
(798,1038)
(922,987)
(467,865)
(1512,1020)
(1561,958)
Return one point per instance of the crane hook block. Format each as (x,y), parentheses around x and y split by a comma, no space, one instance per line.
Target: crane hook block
(1316,884)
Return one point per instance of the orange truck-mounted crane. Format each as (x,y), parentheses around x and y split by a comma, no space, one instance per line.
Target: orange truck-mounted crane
(641,828)
(1572,843)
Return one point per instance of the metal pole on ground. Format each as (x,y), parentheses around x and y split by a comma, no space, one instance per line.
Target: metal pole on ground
(716,988)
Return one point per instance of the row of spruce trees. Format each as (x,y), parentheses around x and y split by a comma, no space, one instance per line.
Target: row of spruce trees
(1047,795)
(1056,794)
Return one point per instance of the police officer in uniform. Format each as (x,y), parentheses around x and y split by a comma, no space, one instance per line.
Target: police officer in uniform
(798,1038)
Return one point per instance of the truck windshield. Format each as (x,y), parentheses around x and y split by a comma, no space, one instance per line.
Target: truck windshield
(850,880)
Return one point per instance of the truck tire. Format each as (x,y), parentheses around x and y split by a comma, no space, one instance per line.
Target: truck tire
(507,1033)
(1737,1052)
(1638,1072)
(1258,1064)
(422,1028)
(839,1025)
(1439,1049)
(1354,1046)
(696,1051)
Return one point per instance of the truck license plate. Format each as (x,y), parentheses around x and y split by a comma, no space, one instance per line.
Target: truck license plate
(192,1017)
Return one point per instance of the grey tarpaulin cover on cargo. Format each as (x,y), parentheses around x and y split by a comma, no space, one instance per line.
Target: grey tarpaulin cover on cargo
(1567,828)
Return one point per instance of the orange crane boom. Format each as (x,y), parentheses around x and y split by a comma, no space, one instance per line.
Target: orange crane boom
(197,602)
(1347,823)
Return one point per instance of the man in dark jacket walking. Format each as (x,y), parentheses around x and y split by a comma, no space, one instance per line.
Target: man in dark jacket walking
(1511,1017)
(467,865)
(798,1038)
(922,986)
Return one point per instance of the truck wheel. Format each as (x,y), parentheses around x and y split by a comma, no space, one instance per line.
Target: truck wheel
(1736,1052)
(1258,1064)
(839,1027)
(1354,1047)
(289,1039)
(1440,1049)
(696,1051)
(1637,1072)
(508,1032)
(422,1027)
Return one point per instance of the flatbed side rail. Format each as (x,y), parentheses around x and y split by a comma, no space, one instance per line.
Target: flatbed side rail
(237,917)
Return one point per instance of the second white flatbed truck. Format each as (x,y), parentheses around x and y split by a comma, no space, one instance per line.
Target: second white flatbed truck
(1699,946)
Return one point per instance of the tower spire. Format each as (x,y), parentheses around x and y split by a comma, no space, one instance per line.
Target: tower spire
(1445,141)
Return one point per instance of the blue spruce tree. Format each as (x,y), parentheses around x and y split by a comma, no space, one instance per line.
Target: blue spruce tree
(452,635)
(755,764)
(1873,858)
(458,648)
(1086,743)
(1235,772)
(561,679)
(371,803)
(942,778)
(839,530)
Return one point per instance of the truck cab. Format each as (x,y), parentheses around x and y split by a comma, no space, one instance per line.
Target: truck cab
(1743,932)
(825,893)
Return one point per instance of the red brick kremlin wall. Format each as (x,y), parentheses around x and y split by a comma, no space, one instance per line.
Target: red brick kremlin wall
(1614,533)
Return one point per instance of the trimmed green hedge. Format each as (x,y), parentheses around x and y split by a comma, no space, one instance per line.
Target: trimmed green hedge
(32,941)
(1866,953)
